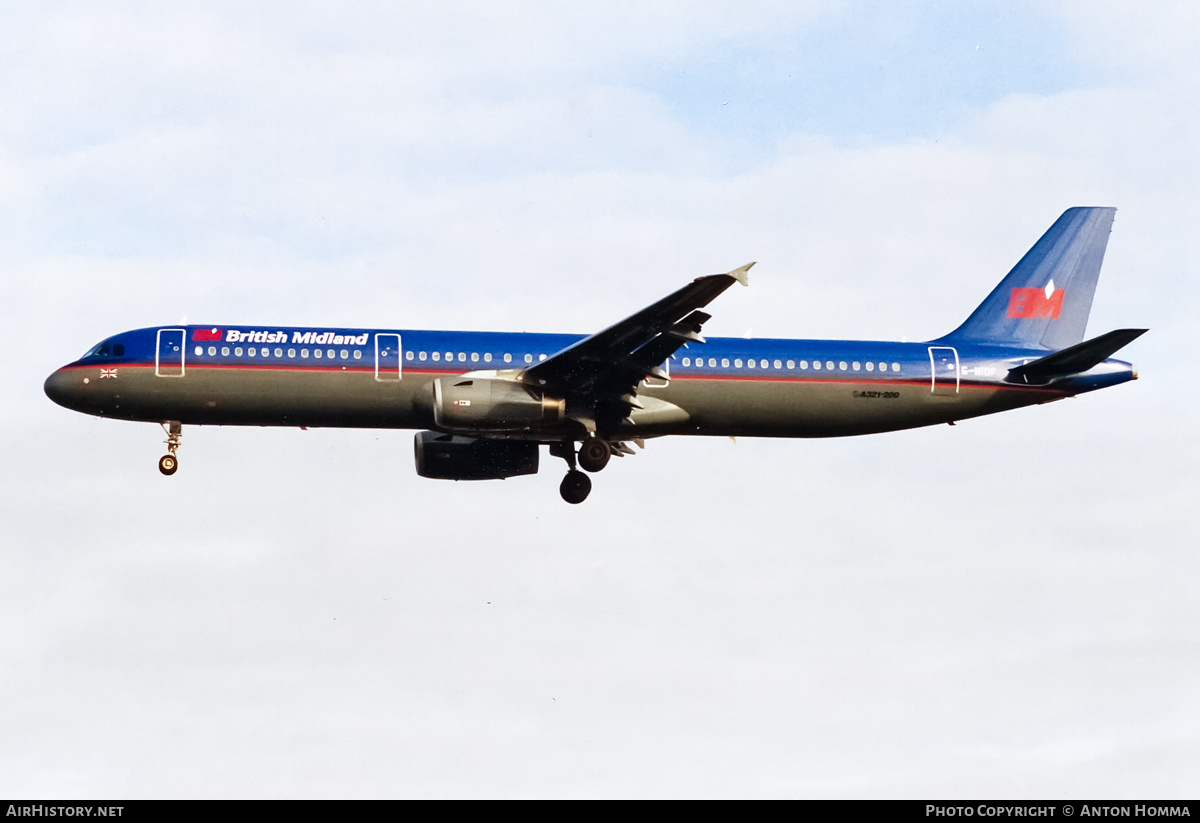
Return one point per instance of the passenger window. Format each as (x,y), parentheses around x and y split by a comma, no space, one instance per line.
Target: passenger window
(329,353)
(870,366)
(738,362)
(842,365)
(791,364)
(238,351)
(508,358)
(816,365)
(252,352)
(724,362)
(856,365)
(224,351)
(304,354)
(408,355)
(291,352)
(279,352)
(778,364)
(541,357)
(474,357)
(421,357)
(345,354)
(212,351)
(462,358)
(358,354)
(317,353)
(803,365)
(436,356)
(895,367)
(487,357)
(883,366)
(829,365)
(199,350)
(529,358)
(712,362)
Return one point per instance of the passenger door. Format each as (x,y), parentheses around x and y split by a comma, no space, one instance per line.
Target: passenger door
(943,361)
(169,353)
(387,357)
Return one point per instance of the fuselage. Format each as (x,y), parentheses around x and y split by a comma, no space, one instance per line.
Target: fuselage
(383,378)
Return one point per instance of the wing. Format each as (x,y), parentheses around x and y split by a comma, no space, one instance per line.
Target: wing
(610,364)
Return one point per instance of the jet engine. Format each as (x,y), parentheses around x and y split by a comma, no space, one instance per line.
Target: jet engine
(477,404)
(448,457)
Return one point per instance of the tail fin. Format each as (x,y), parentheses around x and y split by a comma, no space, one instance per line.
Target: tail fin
(1045,300)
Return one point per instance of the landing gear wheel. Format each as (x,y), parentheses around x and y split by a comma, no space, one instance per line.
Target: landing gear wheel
(594,454)
(576,486)
(168,464)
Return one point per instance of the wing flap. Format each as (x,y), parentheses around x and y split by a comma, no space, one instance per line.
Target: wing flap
(613,361)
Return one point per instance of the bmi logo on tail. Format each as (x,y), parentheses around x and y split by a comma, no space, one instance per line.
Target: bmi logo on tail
(1045,302)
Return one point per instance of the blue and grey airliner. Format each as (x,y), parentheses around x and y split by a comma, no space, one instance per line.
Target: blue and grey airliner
(486,402)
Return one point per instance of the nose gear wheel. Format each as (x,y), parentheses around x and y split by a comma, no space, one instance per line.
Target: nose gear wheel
(168,464)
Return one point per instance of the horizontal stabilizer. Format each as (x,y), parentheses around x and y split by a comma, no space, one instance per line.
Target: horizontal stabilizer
(1075,359)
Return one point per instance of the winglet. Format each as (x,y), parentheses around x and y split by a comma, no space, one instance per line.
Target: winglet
(740,275)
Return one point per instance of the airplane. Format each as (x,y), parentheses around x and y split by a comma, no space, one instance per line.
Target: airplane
(486,402)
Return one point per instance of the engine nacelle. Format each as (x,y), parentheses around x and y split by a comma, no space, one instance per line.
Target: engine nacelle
(477,404)
(448,457)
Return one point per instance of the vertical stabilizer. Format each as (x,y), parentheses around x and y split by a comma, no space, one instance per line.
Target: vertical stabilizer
(1045,300)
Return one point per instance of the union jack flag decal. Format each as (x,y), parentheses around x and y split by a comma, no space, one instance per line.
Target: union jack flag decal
(108,373)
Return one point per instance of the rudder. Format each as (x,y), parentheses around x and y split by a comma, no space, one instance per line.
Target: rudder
(1044,302)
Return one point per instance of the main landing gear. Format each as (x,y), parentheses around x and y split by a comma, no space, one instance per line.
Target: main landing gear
(168,464)
(594,454)
(575,487)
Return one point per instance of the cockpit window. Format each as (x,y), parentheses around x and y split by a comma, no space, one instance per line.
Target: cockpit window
(106,349)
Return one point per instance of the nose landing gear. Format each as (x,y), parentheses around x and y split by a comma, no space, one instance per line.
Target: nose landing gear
(168,464)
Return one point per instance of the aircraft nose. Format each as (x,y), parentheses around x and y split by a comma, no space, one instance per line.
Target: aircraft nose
(65,388)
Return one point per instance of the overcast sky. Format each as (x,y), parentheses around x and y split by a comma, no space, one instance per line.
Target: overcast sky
(1006,608)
